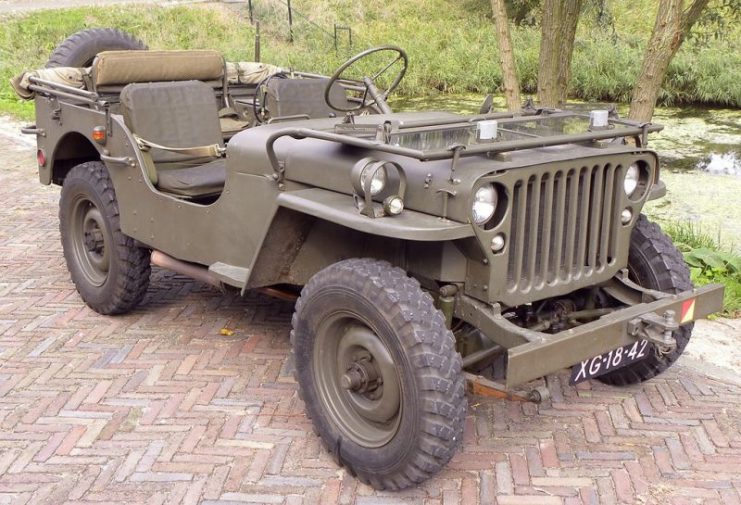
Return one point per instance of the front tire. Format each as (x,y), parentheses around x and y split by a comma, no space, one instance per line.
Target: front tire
(378,371)
(109,270)
(654,262)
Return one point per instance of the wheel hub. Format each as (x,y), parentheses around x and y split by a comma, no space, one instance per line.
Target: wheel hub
(358,380)
(88,231)
(361,377)
(93,240)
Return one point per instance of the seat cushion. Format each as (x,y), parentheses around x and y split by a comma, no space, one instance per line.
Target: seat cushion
(124,67)
(194,182)
(173,114)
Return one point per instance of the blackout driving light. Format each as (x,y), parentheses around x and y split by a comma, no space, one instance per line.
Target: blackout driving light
(393,205)
(484,204)
(632,177)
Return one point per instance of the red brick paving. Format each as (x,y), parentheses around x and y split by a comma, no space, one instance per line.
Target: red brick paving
(158,407)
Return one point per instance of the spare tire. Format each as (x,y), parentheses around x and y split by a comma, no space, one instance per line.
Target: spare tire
(79,49)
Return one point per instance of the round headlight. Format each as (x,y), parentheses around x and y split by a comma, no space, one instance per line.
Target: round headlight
(632,176)
(378,181)
(484,204)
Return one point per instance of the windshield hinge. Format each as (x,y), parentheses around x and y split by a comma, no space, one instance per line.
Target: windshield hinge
(456,148)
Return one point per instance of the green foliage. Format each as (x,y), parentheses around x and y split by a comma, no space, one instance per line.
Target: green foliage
(451,45)
(714,23)
(27,40)
(709,262)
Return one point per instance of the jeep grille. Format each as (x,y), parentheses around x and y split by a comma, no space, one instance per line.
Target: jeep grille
(564,226)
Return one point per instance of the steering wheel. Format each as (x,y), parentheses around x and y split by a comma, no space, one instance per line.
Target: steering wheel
(377,97)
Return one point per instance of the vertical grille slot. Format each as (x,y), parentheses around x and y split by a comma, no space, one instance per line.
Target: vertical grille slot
(563,226)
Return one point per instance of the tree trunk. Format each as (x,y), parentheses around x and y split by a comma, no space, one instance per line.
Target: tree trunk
(547,69)
(510,82)
(569,20)
(558,30)
(671,27)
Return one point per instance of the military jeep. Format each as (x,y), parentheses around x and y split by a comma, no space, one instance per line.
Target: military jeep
(429,252)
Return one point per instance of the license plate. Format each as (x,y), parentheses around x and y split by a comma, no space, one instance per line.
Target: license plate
(609,361)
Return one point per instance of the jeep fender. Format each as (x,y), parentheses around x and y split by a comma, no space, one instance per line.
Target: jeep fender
(339,208)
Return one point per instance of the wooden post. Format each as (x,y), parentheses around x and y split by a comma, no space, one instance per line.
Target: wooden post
(257,41)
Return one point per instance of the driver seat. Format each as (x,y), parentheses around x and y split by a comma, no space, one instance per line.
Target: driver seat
(302,97)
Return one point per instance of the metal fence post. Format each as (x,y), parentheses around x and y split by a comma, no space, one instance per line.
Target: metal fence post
(342,28)
(290,22)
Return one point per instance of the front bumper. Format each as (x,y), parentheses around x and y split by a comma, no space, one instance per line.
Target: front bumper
(533,354)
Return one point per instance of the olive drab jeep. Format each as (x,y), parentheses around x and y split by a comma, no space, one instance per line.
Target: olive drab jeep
(429,253)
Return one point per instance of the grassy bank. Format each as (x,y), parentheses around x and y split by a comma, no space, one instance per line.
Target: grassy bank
(451,45)
(709,262)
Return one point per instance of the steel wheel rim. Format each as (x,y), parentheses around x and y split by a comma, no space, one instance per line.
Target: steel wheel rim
(357,380)
(90,240)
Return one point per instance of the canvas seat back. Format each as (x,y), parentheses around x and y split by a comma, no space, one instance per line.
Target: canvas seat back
(180,114)
(293,97)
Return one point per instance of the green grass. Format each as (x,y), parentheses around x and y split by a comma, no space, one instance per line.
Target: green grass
(451,45)
(710,261)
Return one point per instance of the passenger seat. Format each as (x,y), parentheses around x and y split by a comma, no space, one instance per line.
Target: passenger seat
(177,126)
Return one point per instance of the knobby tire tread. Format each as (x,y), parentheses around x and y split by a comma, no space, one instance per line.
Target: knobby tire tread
(132,279)
(80,48)
(436,365)
(654,255)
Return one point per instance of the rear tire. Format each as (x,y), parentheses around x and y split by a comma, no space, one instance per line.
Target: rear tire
(378,371)
(109,270)
(655,263)
(80,49)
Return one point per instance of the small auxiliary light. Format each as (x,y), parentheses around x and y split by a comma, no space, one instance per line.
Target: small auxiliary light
(41,157)
(99,134)
(393,205)
(488,129)
(497,243)
(599,119)
(626,216)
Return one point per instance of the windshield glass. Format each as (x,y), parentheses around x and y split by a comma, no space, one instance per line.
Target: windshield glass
(490,131)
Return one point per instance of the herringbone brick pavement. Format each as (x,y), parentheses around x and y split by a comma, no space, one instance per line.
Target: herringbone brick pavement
(162,407)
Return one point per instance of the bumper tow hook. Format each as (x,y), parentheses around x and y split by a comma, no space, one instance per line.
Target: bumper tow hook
(659,330)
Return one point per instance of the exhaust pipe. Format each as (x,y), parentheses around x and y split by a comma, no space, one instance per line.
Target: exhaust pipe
(201,273)
(196,272)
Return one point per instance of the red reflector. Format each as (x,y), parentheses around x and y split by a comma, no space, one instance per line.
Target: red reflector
(688,311)
(99,134)
(41,157)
